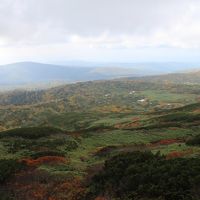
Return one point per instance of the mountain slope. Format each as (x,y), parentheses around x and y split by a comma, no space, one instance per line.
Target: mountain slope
(30,72)
(178,78)
(59,105)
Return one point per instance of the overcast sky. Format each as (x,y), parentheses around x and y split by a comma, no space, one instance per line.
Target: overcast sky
(99,30)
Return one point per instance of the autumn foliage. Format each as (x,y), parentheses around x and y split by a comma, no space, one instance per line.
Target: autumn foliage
(44,160)
(34,184)
(178,154)
(166,142)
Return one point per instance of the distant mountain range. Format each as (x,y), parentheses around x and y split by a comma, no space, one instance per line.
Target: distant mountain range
(40,75)
(192,77)
(34,73)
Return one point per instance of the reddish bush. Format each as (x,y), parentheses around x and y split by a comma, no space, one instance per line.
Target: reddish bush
(169,141)
(33,184)
(166,142)
(44,160)
(178,154)
(72,190)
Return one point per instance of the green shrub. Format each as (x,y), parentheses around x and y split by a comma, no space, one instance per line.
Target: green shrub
(7,168)
(140,175)
(194,141)
(31,132)
(47,153)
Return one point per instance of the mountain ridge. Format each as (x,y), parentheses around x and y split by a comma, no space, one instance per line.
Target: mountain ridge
(37,76)
(22,73)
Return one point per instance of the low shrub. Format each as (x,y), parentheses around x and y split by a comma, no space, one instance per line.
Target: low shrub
(8,168)
(47,153)
(30,132)
(44,160)
(143,175)
(194,141)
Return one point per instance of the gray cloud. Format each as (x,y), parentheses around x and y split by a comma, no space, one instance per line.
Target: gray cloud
(123,30)
(49,21)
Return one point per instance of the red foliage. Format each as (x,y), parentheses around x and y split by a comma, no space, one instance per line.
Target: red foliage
(166,142)
(72,189)
(178,154)
(44,160)
(169,141)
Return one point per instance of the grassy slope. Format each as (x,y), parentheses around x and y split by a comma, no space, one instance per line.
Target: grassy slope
(95,132)
(64,106)
(89,137)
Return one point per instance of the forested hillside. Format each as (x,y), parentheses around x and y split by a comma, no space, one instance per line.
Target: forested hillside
(72,142)
(44,107)
(178,78)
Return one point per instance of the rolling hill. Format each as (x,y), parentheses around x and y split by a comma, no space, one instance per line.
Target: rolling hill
(67,142)
(61,105)
(192,77)
(34,73)
(65,164)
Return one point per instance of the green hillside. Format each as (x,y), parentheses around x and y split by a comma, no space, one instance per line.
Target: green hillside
(178,78)
(70,158)
(61,105)
(61,143)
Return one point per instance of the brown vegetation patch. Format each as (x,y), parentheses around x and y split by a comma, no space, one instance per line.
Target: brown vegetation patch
(197,110)
(34,184)
(44,160)
(178,154)
(166,142)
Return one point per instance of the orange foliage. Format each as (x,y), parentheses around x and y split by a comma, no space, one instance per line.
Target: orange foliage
(72,189)
(178,154)
(169,141)
(34,184)
(44,160)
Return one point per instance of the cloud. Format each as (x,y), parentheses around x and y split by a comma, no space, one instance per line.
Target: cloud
(126,22)
(57,27)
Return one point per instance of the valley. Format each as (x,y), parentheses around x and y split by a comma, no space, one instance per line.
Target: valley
(99,100)
(63,135)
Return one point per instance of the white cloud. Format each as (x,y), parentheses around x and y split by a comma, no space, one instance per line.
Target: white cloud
(96,25)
